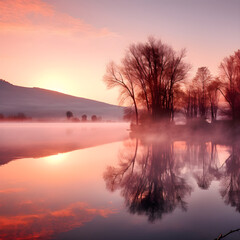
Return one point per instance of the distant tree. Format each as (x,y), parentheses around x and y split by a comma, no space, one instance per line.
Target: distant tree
(94,118)
(201,81)
(190,104)
(69,114)
(230,77)
(75,119)
(201,94)
(1,116)
(21,116)
(213,97)
(84,118)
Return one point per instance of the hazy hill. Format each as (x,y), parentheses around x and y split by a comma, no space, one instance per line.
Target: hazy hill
(42,103)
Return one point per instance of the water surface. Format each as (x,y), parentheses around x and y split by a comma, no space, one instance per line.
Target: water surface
(76,181)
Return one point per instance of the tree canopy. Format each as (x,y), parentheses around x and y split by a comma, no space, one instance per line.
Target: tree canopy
(149,76)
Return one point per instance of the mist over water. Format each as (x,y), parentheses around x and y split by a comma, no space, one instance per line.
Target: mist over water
(24,140)
(97,181)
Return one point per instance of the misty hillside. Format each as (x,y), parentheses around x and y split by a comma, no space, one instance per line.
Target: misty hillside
(42,103)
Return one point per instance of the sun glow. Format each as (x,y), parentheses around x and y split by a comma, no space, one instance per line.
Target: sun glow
(53,80)
(55,159)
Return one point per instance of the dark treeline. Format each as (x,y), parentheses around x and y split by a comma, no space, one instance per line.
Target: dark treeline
(15,117)
(152,77)
(84,117)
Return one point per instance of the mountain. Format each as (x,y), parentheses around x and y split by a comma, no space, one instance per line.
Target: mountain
(42,103)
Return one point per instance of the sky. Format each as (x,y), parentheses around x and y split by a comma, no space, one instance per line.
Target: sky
(65,45)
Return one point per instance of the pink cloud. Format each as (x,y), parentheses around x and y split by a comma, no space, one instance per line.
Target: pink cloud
(11,190)
(36,15)
(43,223)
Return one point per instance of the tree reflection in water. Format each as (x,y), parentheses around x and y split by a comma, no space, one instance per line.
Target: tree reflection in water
(149,179)
(230,189)
(202,157)
(150,174)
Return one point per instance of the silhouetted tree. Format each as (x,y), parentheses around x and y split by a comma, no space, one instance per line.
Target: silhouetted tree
(201,82)
(213,97)
(190,104)
(20,116)
(117,76)
(149,75)
(201,95)
(69,114)
(84,118)
(230,190)
(230,76)
(94,118)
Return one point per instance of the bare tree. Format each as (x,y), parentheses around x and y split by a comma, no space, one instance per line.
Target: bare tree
(230,76)
(201,82)
(117,76)
(149,75)
(213,97)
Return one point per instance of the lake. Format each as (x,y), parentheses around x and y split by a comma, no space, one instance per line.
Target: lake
(97,181)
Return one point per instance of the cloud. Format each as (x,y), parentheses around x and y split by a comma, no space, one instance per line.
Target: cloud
(43,223)
(11,190)
(37,15)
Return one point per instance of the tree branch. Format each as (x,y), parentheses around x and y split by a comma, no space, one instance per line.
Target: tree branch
(223,236)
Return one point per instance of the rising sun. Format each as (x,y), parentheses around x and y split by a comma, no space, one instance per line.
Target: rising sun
(55,159)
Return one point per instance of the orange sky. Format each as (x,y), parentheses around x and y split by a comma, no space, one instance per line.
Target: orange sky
(65,45)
